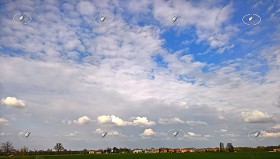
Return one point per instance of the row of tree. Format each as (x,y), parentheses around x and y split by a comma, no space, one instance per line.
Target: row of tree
(7,148)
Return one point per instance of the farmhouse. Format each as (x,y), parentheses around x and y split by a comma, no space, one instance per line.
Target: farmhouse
(137,151)
(90,151)
(152,150)
(163,150)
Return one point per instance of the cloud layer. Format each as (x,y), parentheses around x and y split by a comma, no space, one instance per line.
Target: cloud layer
(138,75)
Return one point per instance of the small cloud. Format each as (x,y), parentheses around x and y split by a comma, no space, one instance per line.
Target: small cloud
(75,133)
(98,131)
(207,136)
(4,134)
(271,134)
(192,134)
(191,122)
(82,120)
(13,102)
(148,132)
(170,121)
(276,126)
(106,119)
(223,130)
(114,133)
(257,116)
(142,121)
(3,121)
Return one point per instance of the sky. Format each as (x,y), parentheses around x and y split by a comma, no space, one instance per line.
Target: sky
(212,75)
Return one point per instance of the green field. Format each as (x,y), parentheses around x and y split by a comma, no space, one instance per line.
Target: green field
(236,155)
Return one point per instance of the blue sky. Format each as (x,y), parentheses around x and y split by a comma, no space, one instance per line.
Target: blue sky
(138,75)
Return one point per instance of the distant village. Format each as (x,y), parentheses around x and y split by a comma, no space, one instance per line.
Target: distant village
(228,148)
(7,149)
(158,150)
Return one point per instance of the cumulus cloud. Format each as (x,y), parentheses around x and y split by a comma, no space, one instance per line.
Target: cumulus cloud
(192,122)
(3,121)
(148,132)
(142,121)
(170,121)
(13,102)
(111,120)
(257,116)
(82,120)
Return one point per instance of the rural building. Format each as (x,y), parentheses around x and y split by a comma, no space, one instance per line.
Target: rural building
(152,150)
(177,150)
(163,150)
(170,150)
(137,151)
(98,152)
(90,151)
(185,150)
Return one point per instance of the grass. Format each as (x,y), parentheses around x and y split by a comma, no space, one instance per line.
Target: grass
(236,155)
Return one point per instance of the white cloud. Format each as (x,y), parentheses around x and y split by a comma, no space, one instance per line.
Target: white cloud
(192,134)
(170,121)
(148,132)
(106,119)
(207,135)
(82,120)
(114,133)
(72,134)
(4,134)
(142,121)
(276,126)
(223,130)
(13,102)
(86,8)
(192,122)
(257,116)
(3,121)
(112,63)
(271,134)
(98,130)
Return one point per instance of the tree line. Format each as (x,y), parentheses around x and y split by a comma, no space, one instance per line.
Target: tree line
(7,149)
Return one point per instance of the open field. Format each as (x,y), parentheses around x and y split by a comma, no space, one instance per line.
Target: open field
(237,155)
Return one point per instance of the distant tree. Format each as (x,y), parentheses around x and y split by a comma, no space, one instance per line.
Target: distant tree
(230,148)
(108,150)
(115,150)
(58,147)
(222,148)
(7,148)
(85,151)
